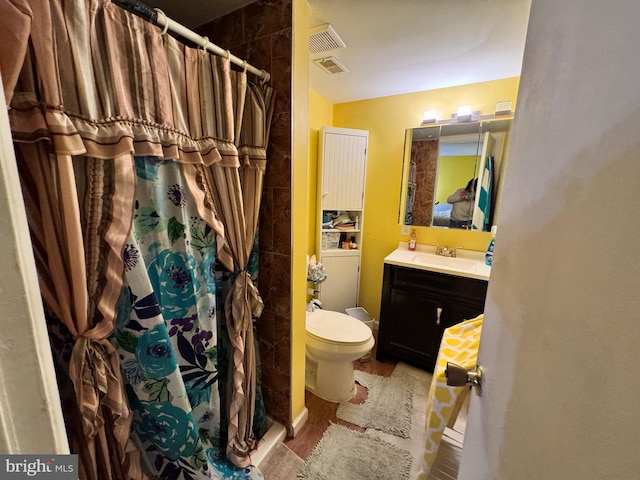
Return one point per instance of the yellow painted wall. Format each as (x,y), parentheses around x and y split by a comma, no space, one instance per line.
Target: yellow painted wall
(299,202)
(459,170)
(386,119)
(320,115)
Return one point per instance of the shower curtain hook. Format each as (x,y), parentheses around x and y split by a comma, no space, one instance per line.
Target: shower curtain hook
(244,66)
(165,27)
(228,55)
(205,42)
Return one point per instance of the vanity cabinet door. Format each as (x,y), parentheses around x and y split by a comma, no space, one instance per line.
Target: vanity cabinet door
(459,312)
(410,326)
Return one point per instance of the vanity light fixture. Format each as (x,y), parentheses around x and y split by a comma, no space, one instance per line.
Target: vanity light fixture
(464,113)
(503,108)
(430,116)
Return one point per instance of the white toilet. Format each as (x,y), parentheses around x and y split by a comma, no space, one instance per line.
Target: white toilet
(334,340)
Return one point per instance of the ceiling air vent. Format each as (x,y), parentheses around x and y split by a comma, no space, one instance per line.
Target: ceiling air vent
(324,38)
(331,65)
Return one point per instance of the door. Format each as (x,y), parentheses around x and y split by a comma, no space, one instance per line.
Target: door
(344,159)
(561,336)
(340,290)
(412,325)
(32,420)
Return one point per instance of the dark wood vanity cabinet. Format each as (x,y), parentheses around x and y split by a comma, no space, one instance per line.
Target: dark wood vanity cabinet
(417,305)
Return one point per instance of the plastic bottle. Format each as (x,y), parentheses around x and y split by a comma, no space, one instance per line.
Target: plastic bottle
(412,240)
(488,258)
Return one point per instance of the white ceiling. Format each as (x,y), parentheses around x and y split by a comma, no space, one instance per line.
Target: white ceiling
(400,46)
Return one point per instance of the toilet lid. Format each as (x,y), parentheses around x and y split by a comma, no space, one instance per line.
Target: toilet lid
(337,327)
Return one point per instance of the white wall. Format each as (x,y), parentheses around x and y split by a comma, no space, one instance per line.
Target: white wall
(30,414)
(561,340)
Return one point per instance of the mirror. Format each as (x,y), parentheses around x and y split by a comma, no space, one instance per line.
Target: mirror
(452,174)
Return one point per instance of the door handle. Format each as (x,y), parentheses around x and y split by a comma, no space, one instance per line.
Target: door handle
(457,376)
(438,313)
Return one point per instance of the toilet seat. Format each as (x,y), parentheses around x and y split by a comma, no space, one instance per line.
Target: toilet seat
(337,328)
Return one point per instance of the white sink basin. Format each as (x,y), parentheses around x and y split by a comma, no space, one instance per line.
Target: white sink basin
(467,264)
(432,259)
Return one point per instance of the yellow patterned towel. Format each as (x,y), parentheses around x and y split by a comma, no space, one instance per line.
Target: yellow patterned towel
(459,345)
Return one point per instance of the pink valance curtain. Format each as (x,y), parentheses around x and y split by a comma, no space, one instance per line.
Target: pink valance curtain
(89,86)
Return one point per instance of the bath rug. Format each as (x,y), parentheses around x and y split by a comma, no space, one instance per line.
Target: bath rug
(281,463)
(387,408)
(343,453)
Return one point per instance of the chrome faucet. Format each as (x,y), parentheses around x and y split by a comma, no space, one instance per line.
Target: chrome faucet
(445,251)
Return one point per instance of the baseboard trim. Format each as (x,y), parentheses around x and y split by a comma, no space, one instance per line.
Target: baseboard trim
(299,422)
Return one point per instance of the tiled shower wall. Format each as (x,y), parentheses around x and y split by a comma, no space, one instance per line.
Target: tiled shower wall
(425,156)
(261,34)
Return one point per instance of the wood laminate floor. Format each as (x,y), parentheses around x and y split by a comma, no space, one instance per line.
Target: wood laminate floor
(321,412)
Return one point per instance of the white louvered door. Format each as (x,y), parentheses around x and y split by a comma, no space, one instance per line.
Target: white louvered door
(343,169)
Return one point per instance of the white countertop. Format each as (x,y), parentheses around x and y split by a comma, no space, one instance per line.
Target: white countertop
(467,263)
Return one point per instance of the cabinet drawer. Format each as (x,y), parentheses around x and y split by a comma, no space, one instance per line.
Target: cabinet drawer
(451,285)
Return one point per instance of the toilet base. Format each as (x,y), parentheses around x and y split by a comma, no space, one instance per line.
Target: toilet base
(333,382)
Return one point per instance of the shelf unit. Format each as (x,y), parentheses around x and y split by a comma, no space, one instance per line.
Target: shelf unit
(341,179)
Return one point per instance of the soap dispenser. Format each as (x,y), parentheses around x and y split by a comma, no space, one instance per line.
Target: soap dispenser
(488,258)
(412,240)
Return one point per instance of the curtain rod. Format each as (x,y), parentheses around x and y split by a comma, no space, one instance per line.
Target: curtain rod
(158,17)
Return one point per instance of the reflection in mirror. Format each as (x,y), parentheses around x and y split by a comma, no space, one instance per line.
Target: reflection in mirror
(421,164)
(452,174)
(457,178)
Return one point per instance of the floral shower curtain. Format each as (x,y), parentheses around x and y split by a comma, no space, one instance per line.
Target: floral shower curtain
(90,86)
(166,330)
